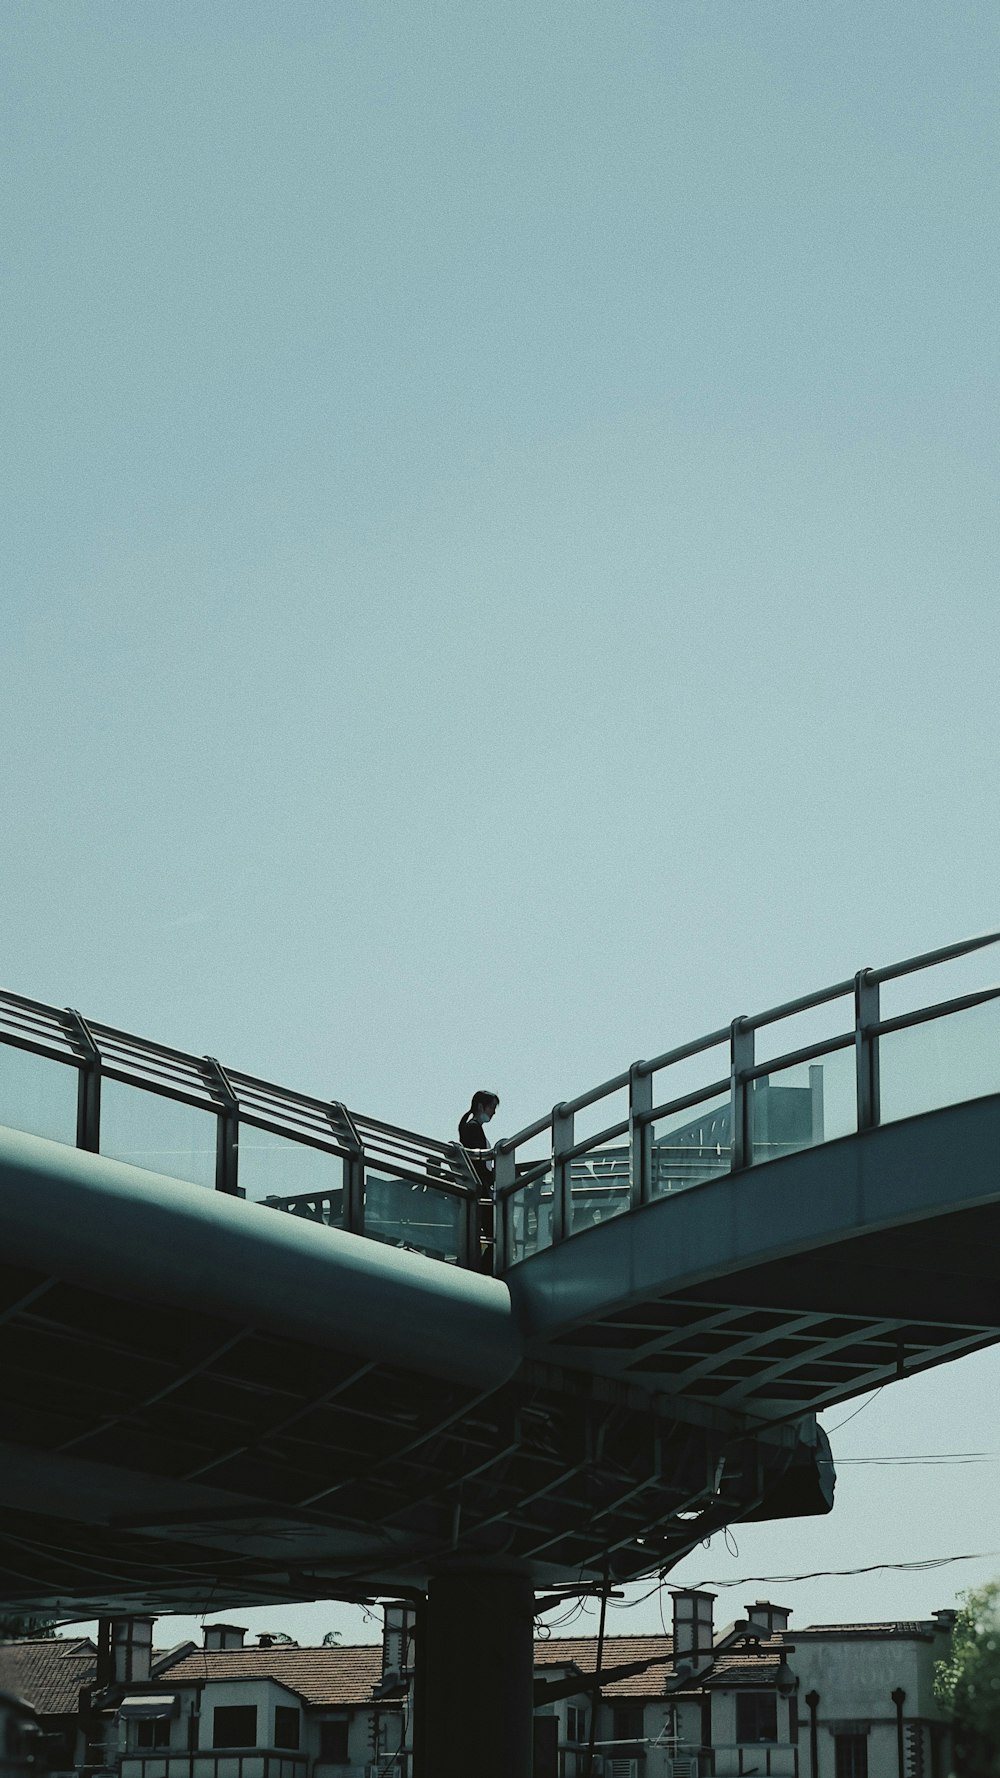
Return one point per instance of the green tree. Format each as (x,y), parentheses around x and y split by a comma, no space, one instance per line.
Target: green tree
(17,1629)
(967,1684)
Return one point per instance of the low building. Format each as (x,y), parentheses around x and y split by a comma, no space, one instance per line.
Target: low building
(273,1711)
(830,1701)
(55,1675)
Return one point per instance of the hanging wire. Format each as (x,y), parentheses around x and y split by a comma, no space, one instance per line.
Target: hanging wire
(918,1567)
(857,1411)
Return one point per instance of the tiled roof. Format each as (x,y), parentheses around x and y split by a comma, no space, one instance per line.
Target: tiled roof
(341,1676)
(737,1667)
(48,1671)
(619,1651)
(317,1675)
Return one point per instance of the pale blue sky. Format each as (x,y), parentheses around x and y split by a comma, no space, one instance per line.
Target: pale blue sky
(499,548)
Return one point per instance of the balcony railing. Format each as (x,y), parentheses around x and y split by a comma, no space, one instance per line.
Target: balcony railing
(746,1759)
(258,1762)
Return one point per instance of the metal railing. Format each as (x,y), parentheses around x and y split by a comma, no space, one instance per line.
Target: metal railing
(703,1109)
(741,1108)
(739,1759)
(202,1762)
(104,1090)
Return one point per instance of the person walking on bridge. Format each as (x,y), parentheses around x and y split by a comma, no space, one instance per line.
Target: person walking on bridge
(472,1136)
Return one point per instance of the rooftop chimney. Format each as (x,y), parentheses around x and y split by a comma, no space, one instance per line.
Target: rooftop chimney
(693,1628)
(773,1619)
(224,1635)
(124,1649)
(397,1641)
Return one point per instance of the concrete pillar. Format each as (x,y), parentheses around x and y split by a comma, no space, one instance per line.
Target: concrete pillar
(477,1683)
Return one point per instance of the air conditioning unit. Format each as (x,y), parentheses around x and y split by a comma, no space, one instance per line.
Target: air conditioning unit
(622,1768)
(683,1765)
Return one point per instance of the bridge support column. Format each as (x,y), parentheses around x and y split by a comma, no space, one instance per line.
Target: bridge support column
(476,1682)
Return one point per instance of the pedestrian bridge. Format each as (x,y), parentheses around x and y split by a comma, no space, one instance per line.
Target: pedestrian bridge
(248,1348)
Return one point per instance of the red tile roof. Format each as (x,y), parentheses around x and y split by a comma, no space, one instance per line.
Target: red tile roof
(342,1676)
(316,1675)
(619,1651)
(737,1667)
(48,1671)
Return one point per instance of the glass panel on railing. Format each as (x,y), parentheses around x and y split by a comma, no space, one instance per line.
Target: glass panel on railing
(37,1095)
(690,1146)
(795,1031)
(806,1103)
(158,1134)
(289,1175)
(529,1214)
(693,1074)
(536,1148)
(611,1109)
(943,1061)
(405,1214)
(600,1184)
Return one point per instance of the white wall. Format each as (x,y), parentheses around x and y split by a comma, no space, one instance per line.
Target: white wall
(855,1677)
(266,1694)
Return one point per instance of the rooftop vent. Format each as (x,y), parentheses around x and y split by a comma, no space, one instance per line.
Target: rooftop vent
(224,1635)
(772,1618)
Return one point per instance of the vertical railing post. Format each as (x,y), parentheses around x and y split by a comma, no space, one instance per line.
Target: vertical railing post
(354,1192)
(562,1141)
(503,1182)
(345,1130)
(227,1132)
(640,1134)
(740,1091)
(866,1019)
(88,1087)
(470,1254)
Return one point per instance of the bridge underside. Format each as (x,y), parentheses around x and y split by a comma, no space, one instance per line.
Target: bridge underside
(793,1286)
(152,1463)
(759,1343)
(204,1402)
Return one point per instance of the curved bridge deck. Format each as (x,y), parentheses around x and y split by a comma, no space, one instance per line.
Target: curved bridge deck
(201,1398)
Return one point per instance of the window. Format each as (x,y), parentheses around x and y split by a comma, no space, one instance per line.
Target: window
(576,1724)
(333,1741)
(152,1731)
(234,1725)
(286,1726)
(851,1756)
(756,1716)
(627,1720)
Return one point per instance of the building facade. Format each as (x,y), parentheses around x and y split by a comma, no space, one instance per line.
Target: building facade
(754,1697)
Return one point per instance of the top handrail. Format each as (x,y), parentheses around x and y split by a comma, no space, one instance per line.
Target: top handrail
(749,1023)
(927,959)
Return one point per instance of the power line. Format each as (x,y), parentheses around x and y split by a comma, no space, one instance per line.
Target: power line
(927,1562)
(857,1411)
(927,1459)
